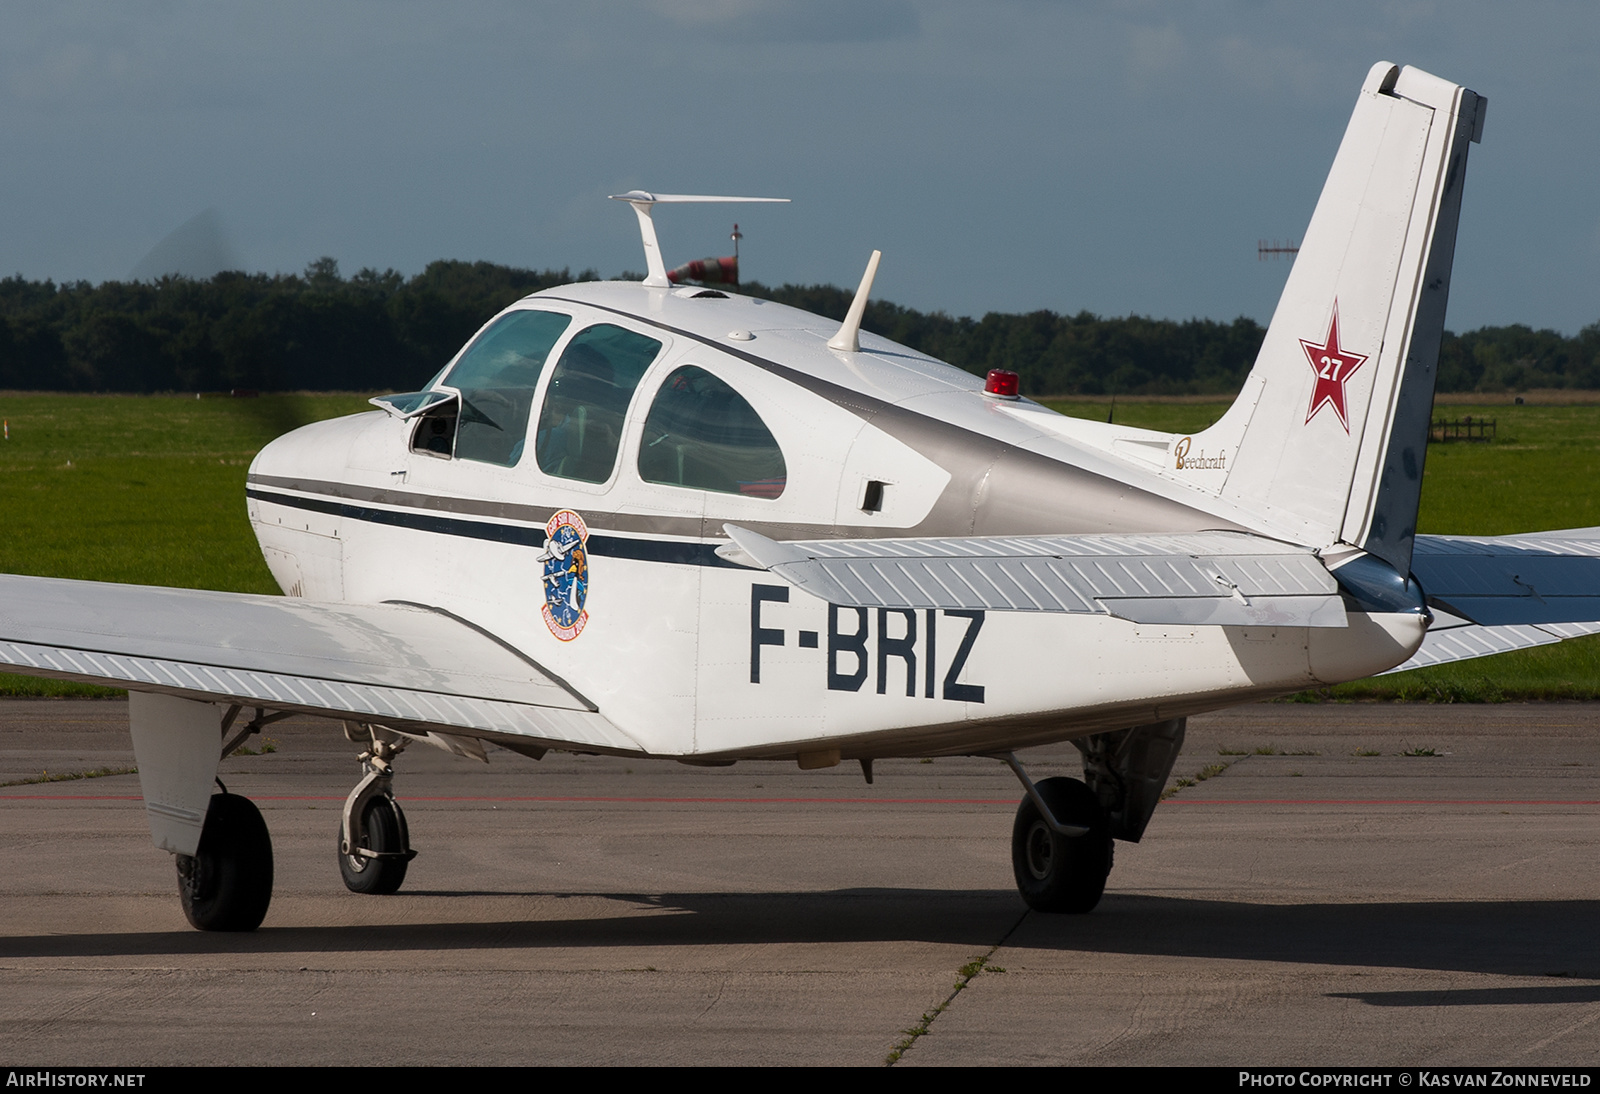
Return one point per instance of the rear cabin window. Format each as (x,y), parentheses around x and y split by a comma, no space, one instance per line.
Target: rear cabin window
(580,426)
(700,433)
(496,377)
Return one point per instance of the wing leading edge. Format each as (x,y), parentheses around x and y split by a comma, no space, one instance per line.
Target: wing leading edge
(409,666)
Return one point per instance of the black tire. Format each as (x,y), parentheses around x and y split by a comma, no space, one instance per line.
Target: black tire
(227,884)
(1057,873)
(386,833)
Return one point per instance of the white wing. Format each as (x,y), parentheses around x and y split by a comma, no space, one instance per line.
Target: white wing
(408,666)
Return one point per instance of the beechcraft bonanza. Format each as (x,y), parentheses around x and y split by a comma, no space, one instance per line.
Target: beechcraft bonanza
(650,520)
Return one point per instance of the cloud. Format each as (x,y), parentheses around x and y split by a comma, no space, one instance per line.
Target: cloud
(1156,53)
(63,72)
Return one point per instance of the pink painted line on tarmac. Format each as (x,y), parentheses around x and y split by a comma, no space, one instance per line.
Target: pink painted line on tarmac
(70,798)
(408,799)
(682,801)
(1380,801)
(1008,802)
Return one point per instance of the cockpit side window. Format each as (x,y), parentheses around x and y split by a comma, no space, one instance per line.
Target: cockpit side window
(434,433)
(701,433)
(496,377)
(580,426)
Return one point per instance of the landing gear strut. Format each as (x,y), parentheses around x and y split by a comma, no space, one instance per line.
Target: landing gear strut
(226,884)
(1061,842)
(374,843)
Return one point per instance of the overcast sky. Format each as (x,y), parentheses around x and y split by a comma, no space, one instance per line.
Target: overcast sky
(1005,155)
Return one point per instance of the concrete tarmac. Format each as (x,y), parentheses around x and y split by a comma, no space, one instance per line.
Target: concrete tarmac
(1351,884)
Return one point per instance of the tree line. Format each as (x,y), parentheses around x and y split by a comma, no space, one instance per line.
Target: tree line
(320,331)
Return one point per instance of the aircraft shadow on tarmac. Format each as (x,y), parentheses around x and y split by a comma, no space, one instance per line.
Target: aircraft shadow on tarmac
(1476,997)
(1519,938)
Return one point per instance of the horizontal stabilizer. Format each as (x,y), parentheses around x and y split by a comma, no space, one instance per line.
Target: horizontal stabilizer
(1511,579)
(1215,578)
(1449,640)
(410,666)
(1494,595)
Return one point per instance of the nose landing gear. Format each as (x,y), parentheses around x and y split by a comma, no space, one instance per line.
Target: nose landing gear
(374,843)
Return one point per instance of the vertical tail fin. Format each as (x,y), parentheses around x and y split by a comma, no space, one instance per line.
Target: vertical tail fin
(1328,435)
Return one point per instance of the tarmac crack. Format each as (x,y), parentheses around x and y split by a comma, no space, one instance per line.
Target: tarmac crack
(1210,771)
(721,984)
(1588,1019)
(964,976)
(68,776)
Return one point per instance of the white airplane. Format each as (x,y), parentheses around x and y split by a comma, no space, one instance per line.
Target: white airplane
(673,522)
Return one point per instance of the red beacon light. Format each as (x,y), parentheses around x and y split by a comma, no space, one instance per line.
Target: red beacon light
(1002,384)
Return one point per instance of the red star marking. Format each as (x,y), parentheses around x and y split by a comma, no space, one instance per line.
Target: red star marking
(1333,367)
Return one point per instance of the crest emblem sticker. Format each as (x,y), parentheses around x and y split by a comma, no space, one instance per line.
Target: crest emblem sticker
(1334,366)
(566,575)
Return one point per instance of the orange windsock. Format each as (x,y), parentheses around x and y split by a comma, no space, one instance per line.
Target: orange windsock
(707,271)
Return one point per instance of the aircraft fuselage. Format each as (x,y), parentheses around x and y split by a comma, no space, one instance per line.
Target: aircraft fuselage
(692,654)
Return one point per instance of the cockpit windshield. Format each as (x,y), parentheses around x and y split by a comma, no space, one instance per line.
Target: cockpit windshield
(496,377)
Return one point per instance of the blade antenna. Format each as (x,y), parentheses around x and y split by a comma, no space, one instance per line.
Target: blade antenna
(849,337)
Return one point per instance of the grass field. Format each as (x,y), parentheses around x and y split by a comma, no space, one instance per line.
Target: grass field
(1539,473)
(141,489)
(150,490)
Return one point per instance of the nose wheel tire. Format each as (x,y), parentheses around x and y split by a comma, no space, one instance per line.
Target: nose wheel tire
(386,834)
(1057,873)
(226,884)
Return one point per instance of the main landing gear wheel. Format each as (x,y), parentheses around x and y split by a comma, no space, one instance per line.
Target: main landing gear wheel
(386,836)
(226,884)
(1058,873)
